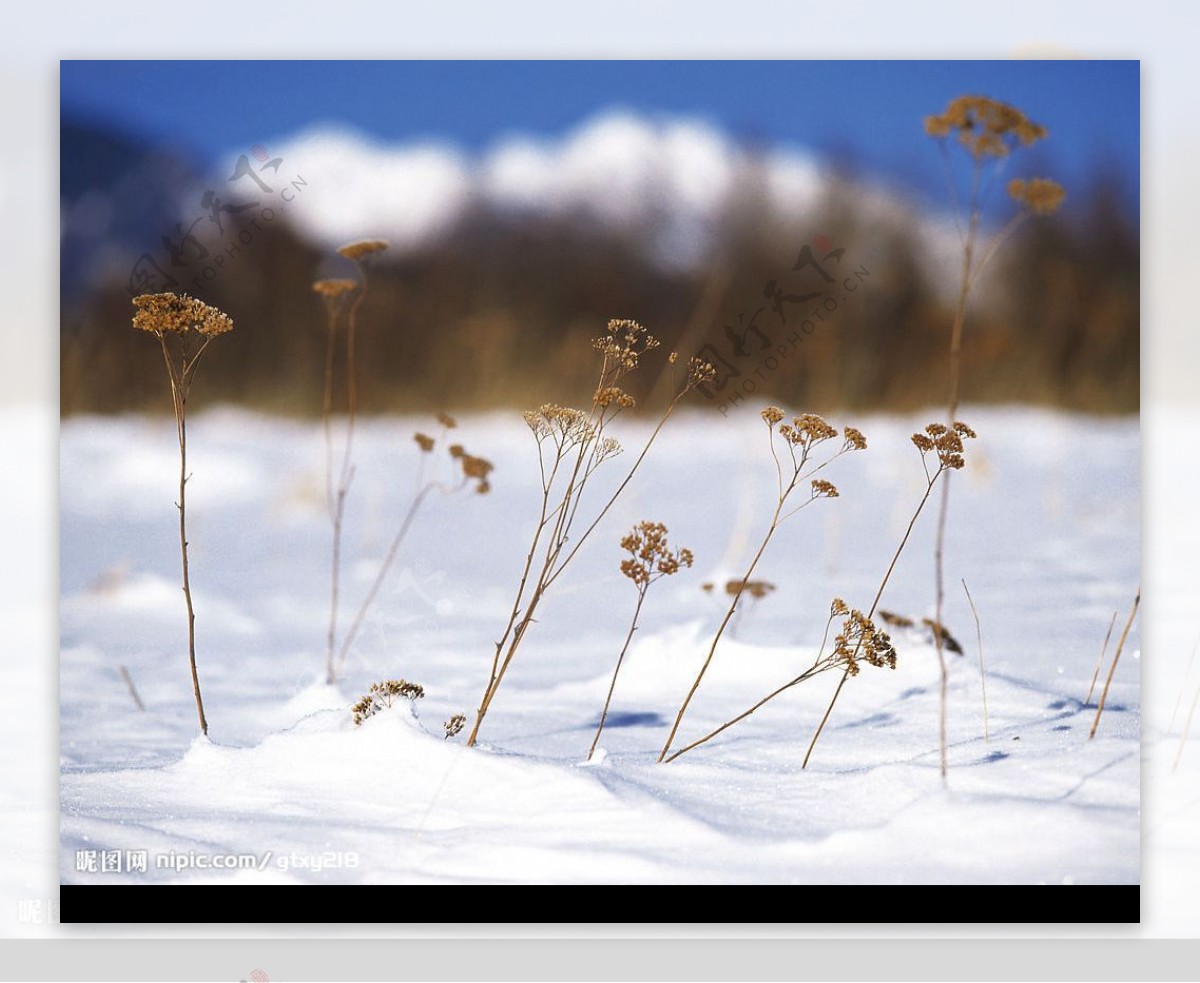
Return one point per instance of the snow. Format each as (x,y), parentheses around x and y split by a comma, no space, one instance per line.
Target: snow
(1044,527)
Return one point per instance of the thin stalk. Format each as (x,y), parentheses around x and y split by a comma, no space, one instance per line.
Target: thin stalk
(554,563)
(874,604)
(327,413)
(620,488)
(346,475)
(724,623)
(132,689)
(1113,668)
(381,575)
(960,315)
(664,756)
(620,658)
(982,671)
(180,382)
(1100,661)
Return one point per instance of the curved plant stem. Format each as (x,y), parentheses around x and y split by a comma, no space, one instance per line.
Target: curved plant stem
(721,629)
(1113,668)
(817,667)
(381,575)
(347,472)
(181,378)
(982,671)
(561,519)
(620,658)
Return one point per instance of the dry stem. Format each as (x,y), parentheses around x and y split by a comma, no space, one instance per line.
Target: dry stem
(982,670)
(620,658)
(346,476)
(1113,668)
(1100,661)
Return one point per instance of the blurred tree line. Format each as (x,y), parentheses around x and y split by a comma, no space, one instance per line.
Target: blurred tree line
(501,311)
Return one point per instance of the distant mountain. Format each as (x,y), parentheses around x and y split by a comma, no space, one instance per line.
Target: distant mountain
(118,196)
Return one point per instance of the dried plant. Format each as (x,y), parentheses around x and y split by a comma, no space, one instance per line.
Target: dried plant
(384,695)
(472,471)
(650,559)
(1100,661)
(336,293)
(185,327)
(982,671)
(756,589)
(894,619)
(860,640)
(988,131)
(572,444)
(799,439)
(453,727)
(1116,656)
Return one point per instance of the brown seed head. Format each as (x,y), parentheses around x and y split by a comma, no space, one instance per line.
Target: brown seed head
(363,249)
(1041,196)
(333,289)
(985,127)
(823,489)
(160,313)
(855,439)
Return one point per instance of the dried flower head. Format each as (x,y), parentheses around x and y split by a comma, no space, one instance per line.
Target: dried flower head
(334,289)
(611,394)
(985,127)
(447,421)
(606,448)
(424,441)
(363,249)
(700,373)
(894,619)
(838,607)
(622,345)
(757,589)
(946,441)
(823,489)
(383,695)
(854,439)
(169,312)
(772,415)
(1040,195)
(475,467)
(454,725)
(949,642)
(565,426)
(859,639)
(807,431)
(650,555)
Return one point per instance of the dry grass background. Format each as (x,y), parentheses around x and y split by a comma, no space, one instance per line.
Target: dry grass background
(497,313)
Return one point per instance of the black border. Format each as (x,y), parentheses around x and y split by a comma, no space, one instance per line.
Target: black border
(837,904)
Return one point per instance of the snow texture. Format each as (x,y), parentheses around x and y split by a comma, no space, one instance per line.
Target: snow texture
(1044,527)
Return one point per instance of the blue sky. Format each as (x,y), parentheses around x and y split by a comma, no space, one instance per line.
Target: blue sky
(866,112)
